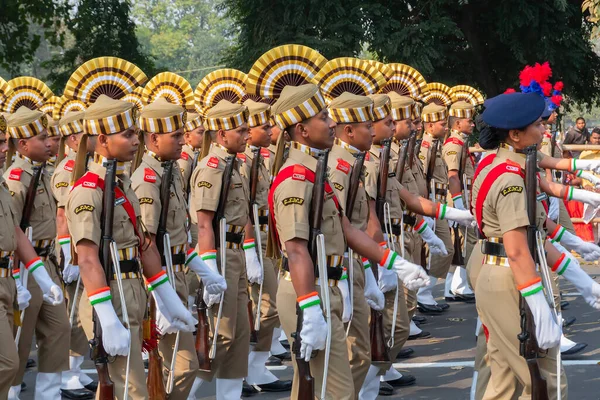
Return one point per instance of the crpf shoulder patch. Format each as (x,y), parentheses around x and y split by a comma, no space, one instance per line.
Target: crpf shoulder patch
(15,174)
(213,162)
(293,200)
(84,207)
(149,175)
(299,173)
(205,184)
(146,200)
(512,189)
(69,165)
(451,153)
(338,186)
(425,144)
(185,156)
(265,153)
(343,166)
(61,185)
(241,157)
(421,157)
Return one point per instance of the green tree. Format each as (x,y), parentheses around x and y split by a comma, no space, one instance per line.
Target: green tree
(188,37)
(98,28)
(333,27)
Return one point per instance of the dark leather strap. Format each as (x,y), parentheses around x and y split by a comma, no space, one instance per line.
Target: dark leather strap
(43,251)
(236,238)
(263,219)
(4,262)
(441,192)
(410,220)
(493,249)
(333,273)
(176,259)
(129,266)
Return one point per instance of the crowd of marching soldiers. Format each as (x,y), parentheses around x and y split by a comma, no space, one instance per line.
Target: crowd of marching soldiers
(320,200)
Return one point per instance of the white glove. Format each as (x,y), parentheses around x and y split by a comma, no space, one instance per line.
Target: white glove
(65,246)
(547,331)
(412,275)
(373,295)
(115,336)
(569,268)
(170,305)
(23,295)
(589,177)
(463,217)
(586,165)
(589,251)
(210,259)
(162,323)
(584,196)
(436,245)
(457,201)
(213,282)
(254,270)
(388,280)
(553,209)
(70,273)
(314,327)
(52,293)
(344,287)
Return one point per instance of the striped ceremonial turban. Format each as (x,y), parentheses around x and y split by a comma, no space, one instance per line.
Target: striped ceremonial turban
(297,104)
(71,123)
(226,116)
(161,116)
(193,121)
(107,116)
(382,106)
(351,108)
(402,106)
(26,123)
(462,109)
(433,113)
(416,110)
(2,124)
(53,127)
(259,113)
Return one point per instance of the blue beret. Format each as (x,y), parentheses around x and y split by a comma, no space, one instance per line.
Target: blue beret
(547,111)
(513,110)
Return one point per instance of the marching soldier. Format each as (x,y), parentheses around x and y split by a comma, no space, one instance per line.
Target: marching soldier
(75,382)
(113,124)
(54,139)
(259,139)
(162,124)
(48,320)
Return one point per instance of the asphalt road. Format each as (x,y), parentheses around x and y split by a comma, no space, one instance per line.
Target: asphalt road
(442,363)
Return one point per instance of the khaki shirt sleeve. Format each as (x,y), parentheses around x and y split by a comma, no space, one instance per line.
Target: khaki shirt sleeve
(83,210)
(451,154)
(148,195)
(371,174)
(61,186)
(509,200)
(340,182)
(206,185)
(291,205)
(18,192)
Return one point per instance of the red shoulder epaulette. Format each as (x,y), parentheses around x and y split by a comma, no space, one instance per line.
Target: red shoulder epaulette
(265,153)
(213,162)
(425,144)
(299,172)
(89,180)
(454,140)
(343,166)
(149,175)
(185,155)
(548,135)
(69,165)
(241,156)
(367,156)
(15,174)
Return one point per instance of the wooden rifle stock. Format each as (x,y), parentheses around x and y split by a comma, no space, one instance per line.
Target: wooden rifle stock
(529,348)
(355,176)
(306,388)
(155,382)
(401,165)
(165,199)
(202,334)
(412,144)
(99,355)
(254,170)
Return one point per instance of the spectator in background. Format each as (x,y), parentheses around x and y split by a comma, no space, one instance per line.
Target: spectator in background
(577,134)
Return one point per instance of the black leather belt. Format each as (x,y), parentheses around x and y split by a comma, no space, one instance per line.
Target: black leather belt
(236,238)
(396,230)
(43,251)
(333,273)
(176,259)
(129,266)
(441,192)
(493,249)
(263,219)
(410,220)
(4,262)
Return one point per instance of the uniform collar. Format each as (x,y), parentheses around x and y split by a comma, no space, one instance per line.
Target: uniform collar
(154,162)
(375,150)
(303,158)
(428,137)
(100,160)
(511,153)
(348,147)
(457,134)
(272,148)
(249,152)
(311,151)
(28,161)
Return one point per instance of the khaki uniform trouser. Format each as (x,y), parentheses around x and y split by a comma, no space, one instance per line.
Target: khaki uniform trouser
(233,342)
(269,319)
(79,342)
(495,285)
(564,218)
(440,265)
(9,357)
(412,252)
(186,364)
(358,339)
(136,300)
(339,374)
(51,327)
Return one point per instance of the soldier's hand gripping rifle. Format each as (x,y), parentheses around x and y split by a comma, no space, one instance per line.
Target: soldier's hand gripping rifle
(202,334)
(25,225)
(379,351)
(355,179)
(220,230)
(254,170)
(529,348)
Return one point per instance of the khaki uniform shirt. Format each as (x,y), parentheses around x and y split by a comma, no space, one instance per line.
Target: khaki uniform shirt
(393,186)
(292,203)
(269,160)
(43,216)
(452,152)
(146,182)
(264,179)
(61,179)
(206,183)
(341,165)
(186,163)
(440,172)
(84,209)
(8,220)
(507,197)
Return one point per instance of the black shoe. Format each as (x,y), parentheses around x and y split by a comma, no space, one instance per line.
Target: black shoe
(146,363)
(429,308)
(444,306)
(30,363)
(467,298)
(564,305)
(449,299)
(273,362)
(569,321)
(92,386)
(405,352)
(285,343)
(277,386)
(23,386)
(385,389)
(248,390)
(287,356)
(419,319)
(404,380)
(574,350)
(77,394)
(420,335)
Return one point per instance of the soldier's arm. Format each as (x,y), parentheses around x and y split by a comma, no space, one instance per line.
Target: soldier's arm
(560,164)
(90,269)
(373,224)
(151,259)
(450,153)
(24,250)
(453,181)
(61,222)
(418,204)
(301,266)
(360,242)
(206,236)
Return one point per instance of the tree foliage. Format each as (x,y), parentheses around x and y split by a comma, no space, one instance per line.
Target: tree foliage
(98,28)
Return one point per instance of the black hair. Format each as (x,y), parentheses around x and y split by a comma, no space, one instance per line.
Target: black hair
(491,137)
(596,130)
(580,119)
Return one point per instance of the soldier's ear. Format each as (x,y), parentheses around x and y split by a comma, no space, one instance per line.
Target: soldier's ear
(348,130)
(102,140)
